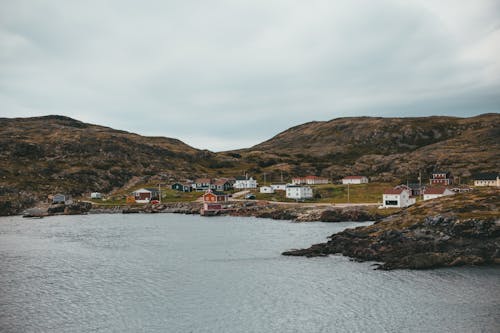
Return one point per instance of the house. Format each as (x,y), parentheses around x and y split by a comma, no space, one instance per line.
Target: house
(95,195)
(416,189)
(266,189)
(298,180)
(441,178)
(145,195)
(61,199)
(299,192)
(222,184)
(202,184)
(309,180)
(436,192)
(487,179)
(397,197)
(182,187)
(244,183)
(211,196)
(354,180)
(279,187)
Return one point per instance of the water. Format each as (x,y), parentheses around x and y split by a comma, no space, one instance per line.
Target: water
(176,273)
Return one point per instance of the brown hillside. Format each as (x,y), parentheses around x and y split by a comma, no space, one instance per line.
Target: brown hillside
(384,148)
(48,154)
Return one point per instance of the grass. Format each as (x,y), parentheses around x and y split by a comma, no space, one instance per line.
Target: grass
(333,193)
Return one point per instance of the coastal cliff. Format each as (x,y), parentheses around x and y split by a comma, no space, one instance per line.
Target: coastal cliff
(463,229)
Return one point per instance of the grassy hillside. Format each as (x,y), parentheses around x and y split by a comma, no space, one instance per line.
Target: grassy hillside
(45,155)
(58,154)
(387,149)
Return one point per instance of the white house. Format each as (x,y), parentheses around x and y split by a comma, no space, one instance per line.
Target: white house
(397,198)
(487,179)
(266,189)
(436,192)
(95,195)
(355,180)
(279,187)
(298,192)
(244,183)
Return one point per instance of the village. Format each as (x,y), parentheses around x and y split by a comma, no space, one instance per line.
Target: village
(217,194)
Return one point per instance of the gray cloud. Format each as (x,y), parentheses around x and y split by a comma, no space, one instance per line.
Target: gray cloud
(229,74)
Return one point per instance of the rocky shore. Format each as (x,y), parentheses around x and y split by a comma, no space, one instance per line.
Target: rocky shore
(256,209)
(463,229)
(76,208)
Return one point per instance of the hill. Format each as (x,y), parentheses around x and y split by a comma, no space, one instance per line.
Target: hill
(386,149)
(462,229)
(44,155)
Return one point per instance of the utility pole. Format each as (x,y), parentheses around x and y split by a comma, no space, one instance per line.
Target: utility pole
(159,192)
(420,184)
(265,178)
(348,198)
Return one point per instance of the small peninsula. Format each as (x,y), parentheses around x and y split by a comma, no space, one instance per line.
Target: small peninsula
(463,229)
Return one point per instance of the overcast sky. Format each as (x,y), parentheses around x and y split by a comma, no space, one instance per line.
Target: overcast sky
(229,74)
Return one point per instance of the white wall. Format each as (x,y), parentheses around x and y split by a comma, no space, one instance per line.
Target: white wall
(302,192)
(266,189)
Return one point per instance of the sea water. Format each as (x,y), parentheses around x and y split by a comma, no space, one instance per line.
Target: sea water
(179,273)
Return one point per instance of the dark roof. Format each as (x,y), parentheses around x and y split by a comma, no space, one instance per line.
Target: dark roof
(486,176)
(151,189)
(241,178)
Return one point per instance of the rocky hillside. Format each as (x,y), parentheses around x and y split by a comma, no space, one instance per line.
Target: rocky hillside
(43,155)
(384,148)
(463,229)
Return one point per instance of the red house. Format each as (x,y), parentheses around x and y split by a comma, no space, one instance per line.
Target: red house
(214,196)
(441,178)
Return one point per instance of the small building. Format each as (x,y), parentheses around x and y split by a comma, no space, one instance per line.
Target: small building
(398,197)
(299,192)
(436,192)
(354,180)
(487,179)
(145,195)
(215,197)
(441,178)
(245,183)
(60,198)
(182,187)
(309,180)
(266,189)
(95,195)
(279,187)
(416,189)
(202,184)
(222,184)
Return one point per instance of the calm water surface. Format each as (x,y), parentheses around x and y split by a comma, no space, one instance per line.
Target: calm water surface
(176,273)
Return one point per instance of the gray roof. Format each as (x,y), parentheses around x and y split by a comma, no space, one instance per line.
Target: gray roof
(486,176)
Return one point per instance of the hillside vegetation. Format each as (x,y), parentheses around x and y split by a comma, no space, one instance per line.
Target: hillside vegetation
(45,155)
(386,149)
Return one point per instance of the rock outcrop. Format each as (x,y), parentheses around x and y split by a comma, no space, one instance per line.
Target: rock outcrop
(459,230)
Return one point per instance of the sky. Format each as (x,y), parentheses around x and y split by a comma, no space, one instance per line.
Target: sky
(223,75)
